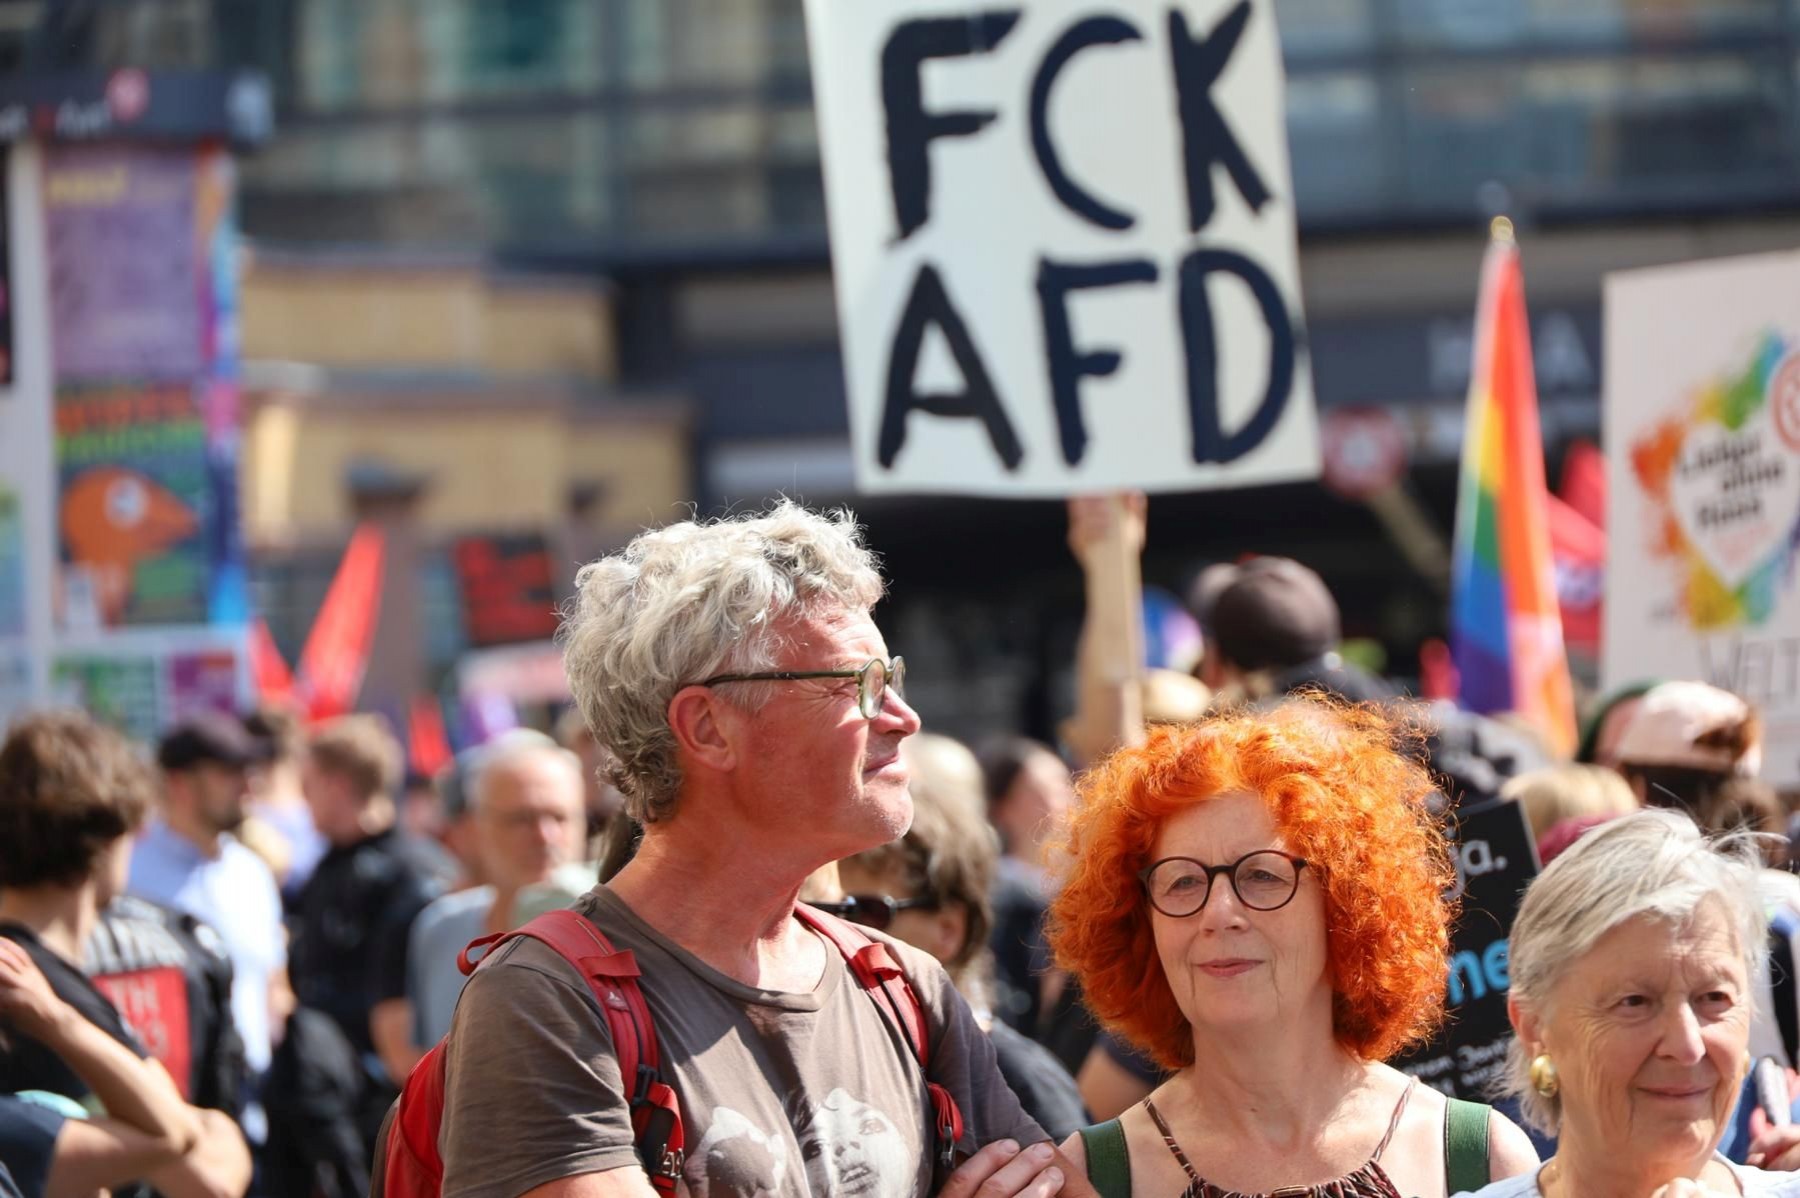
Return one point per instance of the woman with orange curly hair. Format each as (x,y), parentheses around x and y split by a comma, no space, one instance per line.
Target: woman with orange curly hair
(1259,902)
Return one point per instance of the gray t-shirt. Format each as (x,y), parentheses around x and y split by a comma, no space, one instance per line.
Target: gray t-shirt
(438,936)
(783,1094)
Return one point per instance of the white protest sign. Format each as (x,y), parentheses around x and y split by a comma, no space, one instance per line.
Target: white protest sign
(1063,240)
(1702,431)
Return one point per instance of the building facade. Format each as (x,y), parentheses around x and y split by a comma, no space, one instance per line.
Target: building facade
(663,154)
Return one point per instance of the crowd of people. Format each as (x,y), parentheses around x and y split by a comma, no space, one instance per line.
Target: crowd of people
(1170,954)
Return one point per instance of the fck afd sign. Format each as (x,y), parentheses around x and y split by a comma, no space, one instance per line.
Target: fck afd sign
(1063,239)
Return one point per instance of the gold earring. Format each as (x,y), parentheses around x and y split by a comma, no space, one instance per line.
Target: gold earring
(1543,1075)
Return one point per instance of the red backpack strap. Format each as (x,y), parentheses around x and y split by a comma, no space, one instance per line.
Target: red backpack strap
(612,976)
(880,976)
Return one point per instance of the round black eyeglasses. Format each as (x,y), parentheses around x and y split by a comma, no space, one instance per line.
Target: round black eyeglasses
(1265,880)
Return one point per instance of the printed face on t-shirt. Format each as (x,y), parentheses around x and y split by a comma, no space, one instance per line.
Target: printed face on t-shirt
(849,1147)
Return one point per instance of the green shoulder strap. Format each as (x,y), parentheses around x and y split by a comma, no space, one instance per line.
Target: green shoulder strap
(1465,1146)
(1108,1163)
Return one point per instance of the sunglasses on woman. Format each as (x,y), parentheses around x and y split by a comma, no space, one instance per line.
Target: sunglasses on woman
(874,910)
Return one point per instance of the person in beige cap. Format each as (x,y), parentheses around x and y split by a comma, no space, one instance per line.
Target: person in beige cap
(1688,746)
(1684,740)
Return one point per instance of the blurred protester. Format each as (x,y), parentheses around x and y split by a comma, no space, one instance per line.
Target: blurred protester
(1565,792)
(457,833)
(72,792)
(528,821)
(1471,757)
(1631,963)
(170,974)
(1272,628)
(1258,901)
(1028,791)
(755,718)
(421,812)
(930,888)
(601,799)
(146,1128)
(1606,722)
(315,1094)
(276,800)
(187,858)
(1684,740)
(355,913)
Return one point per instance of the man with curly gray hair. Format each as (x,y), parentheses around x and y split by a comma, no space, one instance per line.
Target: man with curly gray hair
(754,716)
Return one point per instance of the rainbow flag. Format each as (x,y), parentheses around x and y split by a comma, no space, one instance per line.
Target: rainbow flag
(1505,626)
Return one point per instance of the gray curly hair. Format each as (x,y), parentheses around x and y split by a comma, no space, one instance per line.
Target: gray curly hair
(685,602)
(1655,863)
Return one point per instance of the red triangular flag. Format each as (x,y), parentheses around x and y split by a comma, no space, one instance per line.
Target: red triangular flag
(429,748)
(268,669)
(337,650)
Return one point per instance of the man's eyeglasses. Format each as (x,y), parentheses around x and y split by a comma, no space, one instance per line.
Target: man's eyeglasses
(1265,880)
(874,910)
(873,681)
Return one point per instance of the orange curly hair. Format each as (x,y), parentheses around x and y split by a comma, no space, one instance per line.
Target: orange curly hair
(1344,798)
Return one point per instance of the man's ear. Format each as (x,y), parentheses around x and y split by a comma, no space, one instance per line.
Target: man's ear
(703,725)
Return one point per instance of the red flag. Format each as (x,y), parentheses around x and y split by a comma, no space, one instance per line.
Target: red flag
(337,650)
(429,747)
(274,682)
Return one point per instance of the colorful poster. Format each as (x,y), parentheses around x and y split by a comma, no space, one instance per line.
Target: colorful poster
(12,563)
(124,266)
(116,688)
(202,681)
(1702,425)
(136,507)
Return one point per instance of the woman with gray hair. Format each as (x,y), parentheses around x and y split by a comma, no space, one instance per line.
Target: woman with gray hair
(1631,961)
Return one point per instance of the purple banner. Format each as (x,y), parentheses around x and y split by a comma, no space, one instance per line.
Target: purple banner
(125,282)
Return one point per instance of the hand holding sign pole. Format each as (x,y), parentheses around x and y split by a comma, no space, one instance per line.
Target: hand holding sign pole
(1063,240)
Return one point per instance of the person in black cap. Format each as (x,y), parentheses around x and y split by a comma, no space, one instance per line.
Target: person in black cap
(1271,628)
(189,859)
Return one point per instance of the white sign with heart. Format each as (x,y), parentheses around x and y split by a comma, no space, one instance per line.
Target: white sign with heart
(1735,495)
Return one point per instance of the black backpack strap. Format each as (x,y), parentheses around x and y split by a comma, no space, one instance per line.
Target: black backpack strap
(1108,1160)
(1465,1146)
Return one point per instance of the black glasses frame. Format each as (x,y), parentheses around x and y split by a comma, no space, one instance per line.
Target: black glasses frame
(869,697)
(874,910)
(1230,872)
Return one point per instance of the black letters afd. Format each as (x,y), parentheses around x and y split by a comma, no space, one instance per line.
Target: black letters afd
(1206,140)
